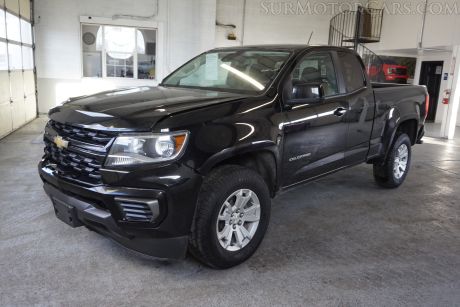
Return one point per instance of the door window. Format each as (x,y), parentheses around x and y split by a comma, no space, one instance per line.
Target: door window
(317,68)
(352,71)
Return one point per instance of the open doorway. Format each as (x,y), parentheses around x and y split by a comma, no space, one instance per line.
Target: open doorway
(431,76)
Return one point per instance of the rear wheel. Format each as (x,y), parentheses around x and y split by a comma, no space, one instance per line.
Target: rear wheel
(232,217)
(393,172)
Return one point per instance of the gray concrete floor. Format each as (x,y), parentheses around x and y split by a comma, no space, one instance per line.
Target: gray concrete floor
(340,241)
(434,130)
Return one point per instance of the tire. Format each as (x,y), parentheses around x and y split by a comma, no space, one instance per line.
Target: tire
(392,174)
(217,199)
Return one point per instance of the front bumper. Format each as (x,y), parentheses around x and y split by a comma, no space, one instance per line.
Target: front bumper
(97,208)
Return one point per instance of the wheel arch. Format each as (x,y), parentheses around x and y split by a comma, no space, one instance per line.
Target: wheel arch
(262,160)
(408,125)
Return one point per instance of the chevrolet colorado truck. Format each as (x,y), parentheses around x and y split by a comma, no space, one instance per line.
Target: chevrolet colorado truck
(192,164)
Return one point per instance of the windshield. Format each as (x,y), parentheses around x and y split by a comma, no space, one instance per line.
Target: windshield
(237,70)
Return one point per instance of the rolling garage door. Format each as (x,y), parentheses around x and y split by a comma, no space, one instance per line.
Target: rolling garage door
(17,78)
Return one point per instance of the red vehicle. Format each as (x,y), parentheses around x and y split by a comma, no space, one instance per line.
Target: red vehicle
(389,72)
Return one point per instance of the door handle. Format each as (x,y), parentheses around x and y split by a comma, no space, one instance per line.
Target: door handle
(340,112)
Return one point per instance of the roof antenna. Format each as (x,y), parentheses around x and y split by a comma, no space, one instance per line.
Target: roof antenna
(311,34)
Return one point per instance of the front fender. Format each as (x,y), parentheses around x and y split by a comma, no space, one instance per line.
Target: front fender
(240,149)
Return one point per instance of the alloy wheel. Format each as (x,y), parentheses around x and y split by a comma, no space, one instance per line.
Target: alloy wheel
(238,220)
(400,161)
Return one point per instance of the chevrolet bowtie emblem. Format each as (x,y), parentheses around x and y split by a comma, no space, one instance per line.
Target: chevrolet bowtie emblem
(60,142)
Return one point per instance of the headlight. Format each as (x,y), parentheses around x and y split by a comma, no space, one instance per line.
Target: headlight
(146,148)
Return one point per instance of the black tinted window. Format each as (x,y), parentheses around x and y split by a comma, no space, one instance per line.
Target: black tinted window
(317,68)
(352,71)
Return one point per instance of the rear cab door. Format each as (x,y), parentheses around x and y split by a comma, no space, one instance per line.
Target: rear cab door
(357,91)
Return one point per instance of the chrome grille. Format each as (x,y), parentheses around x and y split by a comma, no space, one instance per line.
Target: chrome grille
(81,134)
(84,156)
(400,71)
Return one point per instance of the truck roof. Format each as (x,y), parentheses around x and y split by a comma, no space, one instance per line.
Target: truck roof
(290,47)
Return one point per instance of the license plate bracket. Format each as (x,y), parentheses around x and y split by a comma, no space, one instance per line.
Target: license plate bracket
(66,213)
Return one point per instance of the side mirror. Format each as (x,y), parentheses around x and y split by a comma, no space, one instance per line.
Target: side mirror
(303,93)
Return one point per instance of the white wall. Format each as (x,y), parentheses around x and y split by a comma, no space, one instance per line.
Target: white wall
(402,24)
(272,21)
(186,28)
(277,22)
(191,29)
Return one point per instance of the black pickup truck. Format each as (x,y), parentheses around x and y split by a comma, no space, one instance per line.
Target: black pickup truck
(192,164)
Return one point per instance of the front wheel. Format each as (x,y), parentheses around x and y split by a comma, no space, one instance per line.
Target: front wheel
(232,217)
(393,172)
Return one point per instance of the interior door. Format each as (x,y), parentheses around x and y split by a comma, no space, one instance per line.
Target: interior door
(431,75)
(315,133)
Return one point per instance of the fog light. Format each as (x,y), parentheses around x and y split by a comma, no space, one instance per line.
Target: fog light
(138,210)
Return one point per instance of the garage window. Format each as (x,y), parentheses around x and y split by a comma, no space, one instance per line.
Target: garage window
(118,52)
(2,24)
(13,28)
(27,58)
(16,52)
(26,32)
(3,56)
(15,57)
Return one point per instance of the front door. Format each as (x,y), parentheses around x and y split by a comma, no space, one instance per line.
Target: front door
(315,134)
(431,75)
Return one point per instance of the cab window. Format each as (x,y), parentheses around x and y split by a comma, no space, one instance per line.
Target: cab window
(353,74)
(317,68)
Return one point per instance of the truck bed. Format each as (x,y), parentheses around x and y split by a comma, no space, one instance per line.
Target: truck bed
(386,85)
(396,103)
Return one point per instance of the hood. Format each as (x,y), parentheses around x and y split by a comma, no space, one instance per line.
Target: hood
(135,109)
